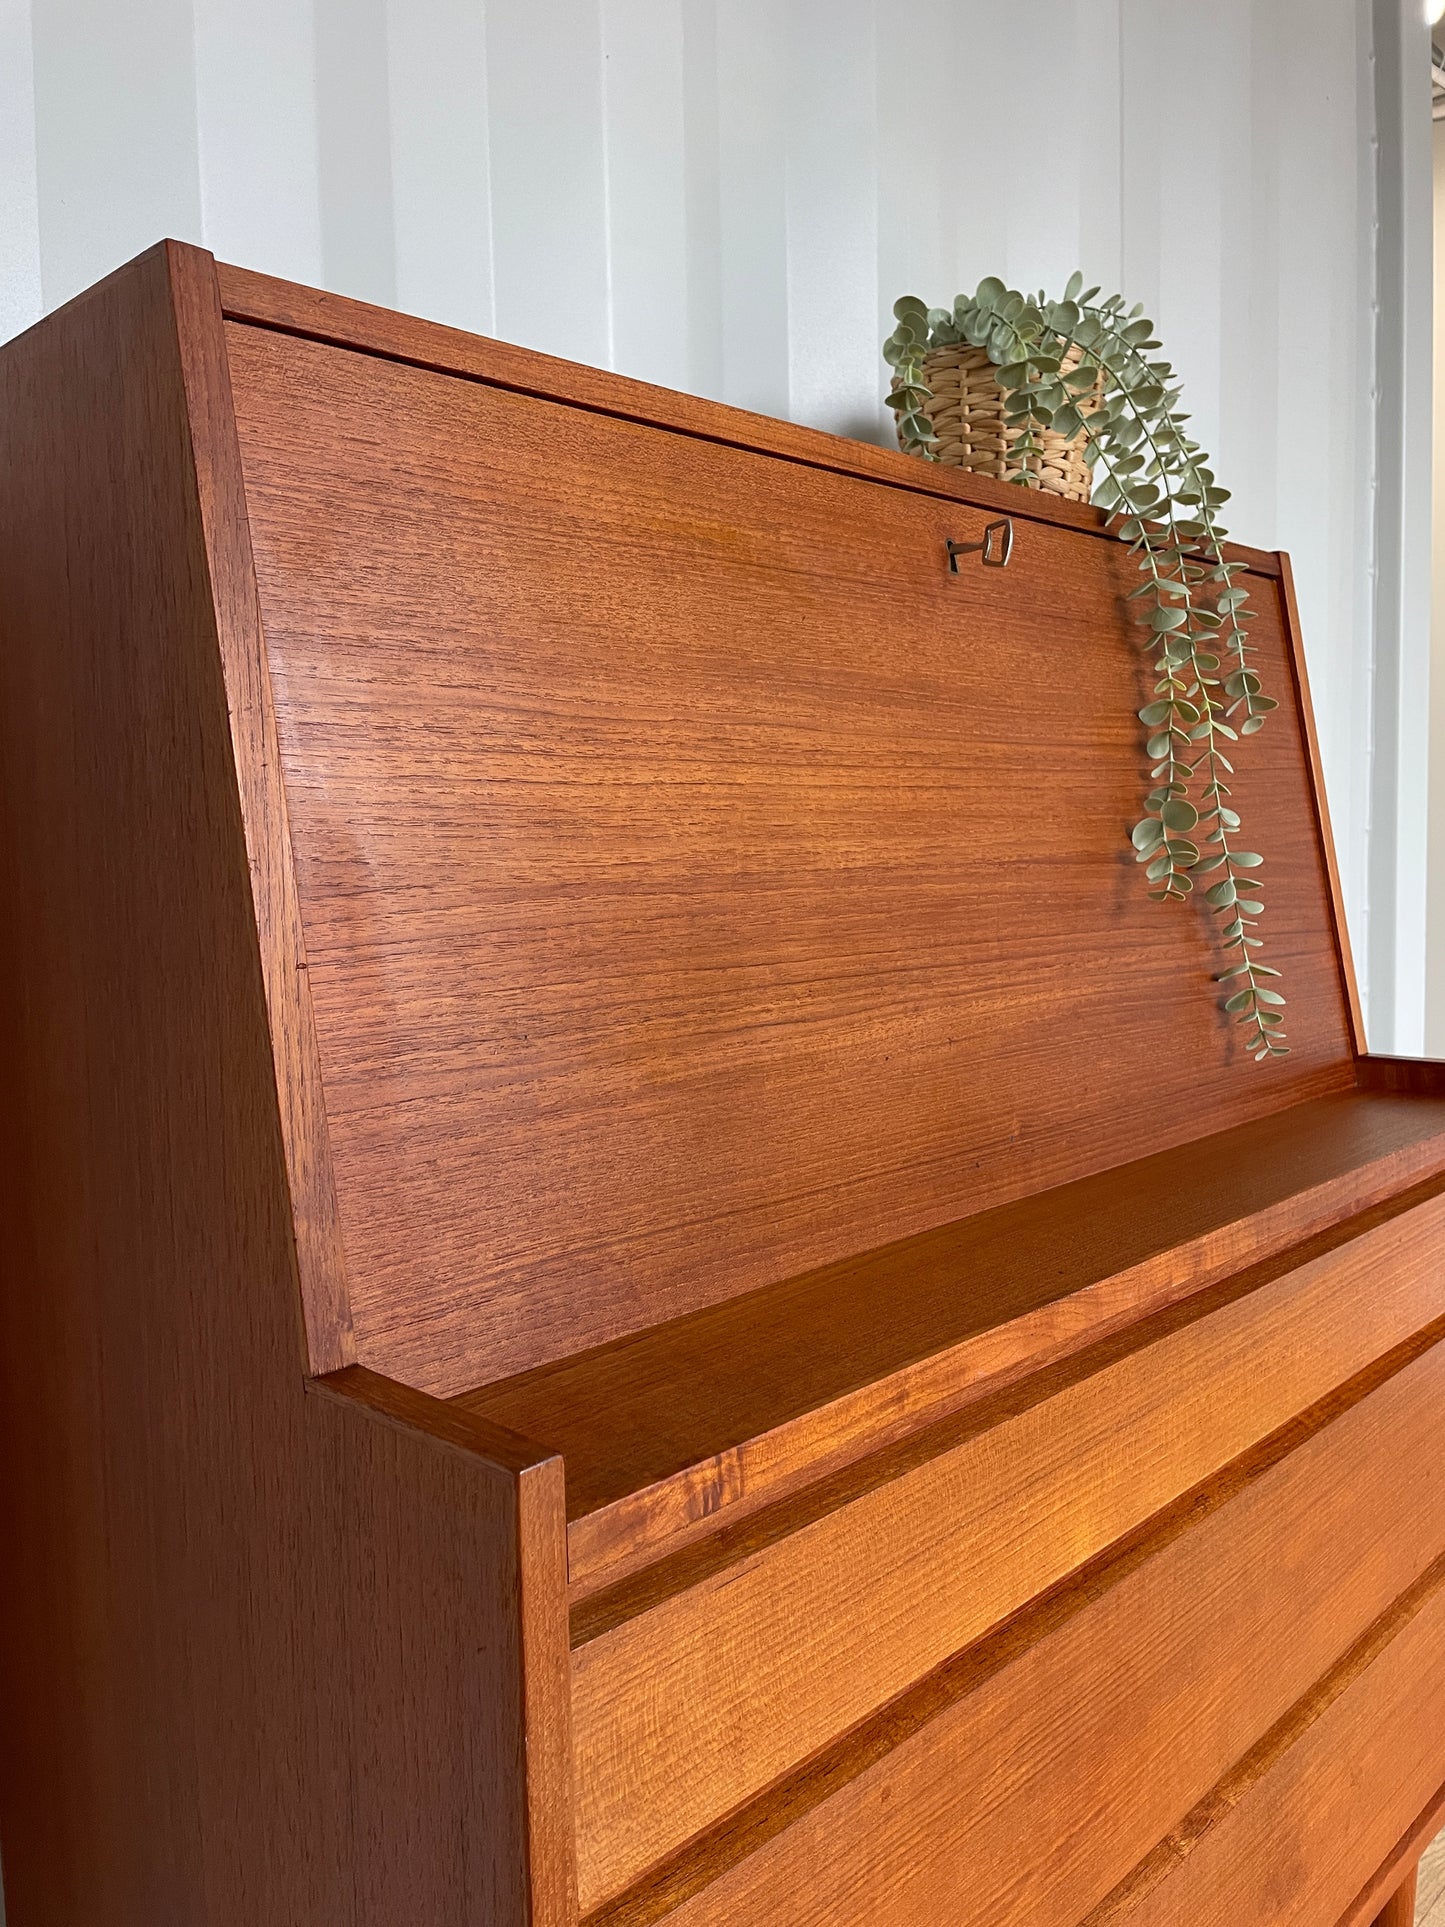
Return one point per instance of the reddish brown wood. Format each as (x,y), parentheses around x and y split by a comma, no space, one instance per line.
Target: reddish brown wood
(207,384)
(1366,1745)
(523,886)
(1098,1721)
(655,894)
(690,1425)
(933,1552)
(535,1563)
(269,1657)
(264,301)
(1403,1859)
(1399,1909)
(1404,1076)
(1294,635)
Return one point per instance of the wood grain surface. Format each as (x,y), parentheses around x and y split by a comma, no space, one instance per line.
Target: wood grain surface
(1294,634)
(699,1699)
(262,1651)
(699,883)
(1428,1866)
(325,1305)
(1411,1076)
(1031,1778)
(1399,1909)
(687,1426)
(1413,1863)
(1282,1842)
(269,303)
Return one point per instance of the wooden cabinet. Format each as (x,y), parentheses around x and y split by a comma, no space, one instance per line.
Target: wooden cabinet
(639,1283)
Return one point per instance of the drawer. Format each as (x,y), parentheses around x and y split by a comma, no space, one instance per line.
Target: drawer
(688,1705)
(1295,1836)
(1029,1783)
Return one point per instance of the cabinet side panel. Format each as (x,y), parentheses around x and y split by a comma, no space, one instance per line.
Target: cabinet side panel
(325,1307)
(258,1661)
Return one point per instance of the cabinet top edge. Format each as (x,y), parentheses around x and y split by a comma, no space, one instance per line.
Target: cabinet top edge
(264,301)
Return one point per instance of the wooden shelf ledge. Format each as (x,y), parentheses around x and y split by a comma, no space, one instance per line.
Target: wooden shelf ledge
(693,1424)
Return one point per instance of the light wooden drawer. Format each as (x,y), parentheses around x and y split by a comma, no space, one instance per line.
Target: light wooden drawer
(1294,1838)
(692,1705)
(1093,1733)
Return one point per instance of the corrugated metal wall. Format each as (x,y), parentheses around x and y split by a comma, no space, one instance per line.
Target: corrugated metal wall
(727,195)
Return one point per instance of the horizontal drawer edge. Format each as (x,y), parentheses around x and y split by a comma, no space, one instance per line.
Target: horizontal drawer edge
(605,1546)
(840,1616)
(1097,1613)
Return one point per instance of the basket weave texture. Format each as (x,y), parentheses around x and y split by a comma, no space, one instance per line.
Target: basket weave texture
(967,414)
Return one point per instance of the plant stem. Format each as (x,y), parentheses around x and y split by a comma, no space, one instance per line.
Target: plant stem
(1264,1038)
(1212,542)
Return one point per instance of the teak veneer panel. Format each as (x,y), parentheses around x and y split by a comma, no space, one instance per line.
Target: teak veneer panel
(314,314)
(697,1702)
(269,1652)
(685,902)
(1411,1867)
(1029,1778)
(1285,1842)
(689,1425)
(1400,1909)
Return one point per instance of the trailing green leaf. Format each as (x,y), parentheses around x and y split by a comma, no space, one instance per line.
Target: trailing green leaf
(1083,365)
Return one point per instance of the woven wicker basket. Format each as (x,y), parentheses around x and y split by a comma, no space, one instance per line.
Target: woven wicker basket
(967,412)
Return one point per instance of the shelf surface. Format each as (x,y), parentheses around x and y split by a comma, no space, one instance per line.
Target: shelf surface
(699,1421)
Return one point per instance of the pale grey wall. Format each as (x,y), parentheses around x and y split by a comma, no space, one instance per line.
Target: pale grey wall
(1435,991)
(1395,957)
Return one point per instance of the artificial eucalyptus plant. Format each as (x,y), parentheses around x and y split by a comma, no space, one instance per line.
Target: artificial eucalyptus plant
(1091,367)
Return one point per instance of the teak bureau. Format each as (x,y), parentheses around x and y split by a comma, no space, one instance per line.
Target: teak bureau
(639,1283)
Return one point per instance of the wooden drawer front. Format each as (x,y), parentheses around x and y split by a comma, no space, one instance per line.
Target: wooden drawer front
(1297,1842)
(1024,1784)
(688,1709)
